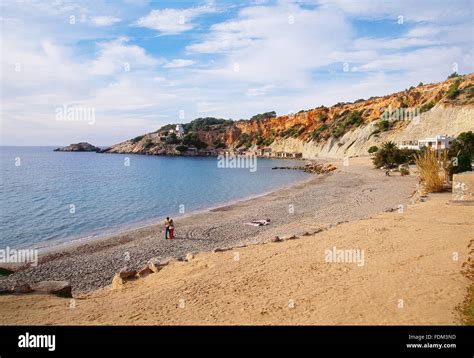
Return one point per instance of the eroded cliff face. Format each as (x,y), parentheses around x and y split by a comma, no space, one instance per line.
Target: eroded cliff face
(441,119)
(345,129)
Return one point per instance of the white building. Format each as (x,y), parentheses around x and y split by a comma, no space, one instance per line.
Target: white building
(179,131)
(435,143)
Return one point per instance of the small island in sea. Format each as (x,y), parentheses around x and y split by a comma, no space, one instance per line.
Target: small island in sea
(78,147)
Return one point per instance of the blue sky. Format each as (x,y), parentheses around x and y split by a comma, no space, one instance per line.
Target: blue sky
(142,64)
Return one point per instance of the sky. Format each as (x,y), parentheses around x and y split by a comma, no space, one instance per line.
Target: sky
(104,71)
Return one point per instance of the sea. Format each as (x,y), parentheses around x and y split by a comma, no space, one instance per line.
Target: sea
(50,198)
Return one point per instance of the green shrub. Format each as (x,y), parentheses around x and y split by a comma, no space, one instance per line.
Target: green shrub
(148,144)
(462,148)
(181,148)
(137,139)
(322,117)
(453,90)
(204,123)
(262,116)
(383,125)
(293,131)
(316,134)
(268,141)
(193,139)
(245,140)
(354,119)
(338,131)
(218,144)
(172,139)
(373,149)
(453,75)
(390,156)
(426,107)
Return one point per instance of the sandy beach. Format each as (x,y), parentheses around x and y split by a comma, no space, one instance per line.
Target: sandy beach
(408,269)
(353,192)
(411,275)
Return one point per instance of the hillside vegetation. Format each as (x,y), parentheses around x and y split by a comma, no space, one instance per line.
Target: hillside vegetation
(343,129)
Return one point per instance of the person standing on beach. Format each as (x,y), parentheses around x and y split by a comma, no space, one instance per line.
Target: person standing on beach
(171,229)
(167,227)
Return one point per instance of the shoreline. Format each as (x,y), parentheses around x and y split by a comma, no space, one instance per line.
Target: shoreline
(148,223)
(307,206)
(291,282)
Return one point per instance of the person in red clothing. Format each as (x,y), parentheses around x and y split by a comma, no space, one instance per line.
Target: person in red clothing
(167,228)
(171,228)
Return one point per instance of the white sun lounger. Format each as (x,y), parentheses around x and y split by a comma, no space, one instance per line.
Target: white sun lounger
(258,223)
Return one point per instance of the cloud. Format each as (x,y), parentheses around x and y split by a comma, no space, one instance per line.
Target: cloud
(411,11)
(178,63)
(281,56)
(173,21)
(275,44)
(117,56)
(259,91)
(104,20)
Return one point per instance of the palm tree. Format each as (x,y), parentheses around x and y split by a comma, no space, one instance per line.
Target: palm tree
(389,146)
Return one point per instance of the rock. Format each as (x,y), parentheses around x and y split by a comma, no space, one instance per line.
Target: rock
(22,288)
(5,272)
(189,256)
(125,274)
(145,271)
(463,187)
(5,291)
(276,239)
(58,288)
(218,250)
(168,261)
(117,282)
(79,147)
(153,267)
(292,237)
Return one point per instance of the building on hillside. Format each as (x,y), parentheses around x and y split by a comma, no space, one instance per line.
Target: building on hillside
(264,152)
(179,131)
(438,142)
(288,155)
(408,144)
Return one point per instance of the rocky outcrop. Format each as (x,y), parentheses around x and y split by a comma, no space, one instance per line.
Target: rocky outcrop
(345,129)
(313,168)
(79,147)
(57,288)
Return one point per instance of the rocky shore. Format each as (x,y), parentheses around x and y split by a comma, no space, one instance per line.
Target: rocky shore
(313,168)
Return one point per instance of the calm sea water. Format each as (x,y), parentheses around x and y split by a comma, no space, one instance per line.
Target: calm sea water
(53,197)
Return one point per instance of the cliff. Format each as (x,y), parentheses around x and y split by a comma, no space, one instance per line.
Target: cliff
(343,129)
